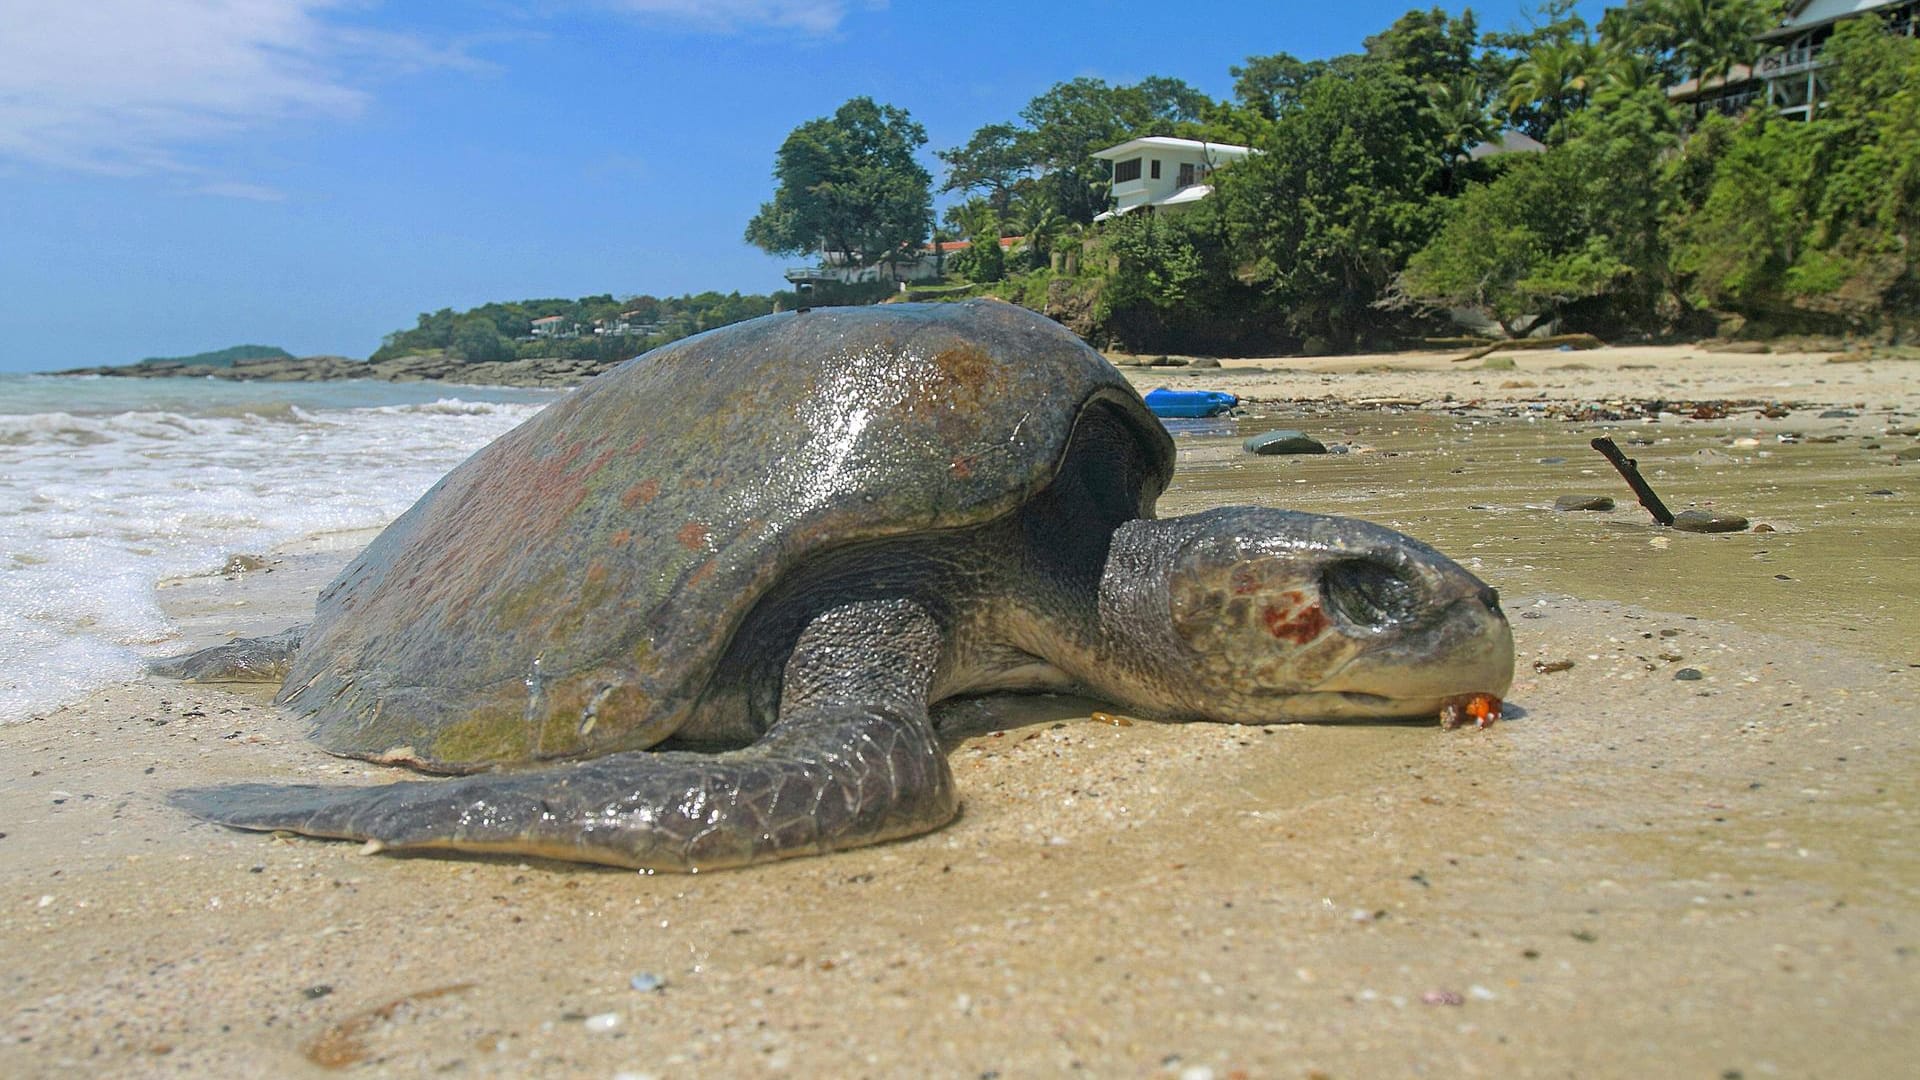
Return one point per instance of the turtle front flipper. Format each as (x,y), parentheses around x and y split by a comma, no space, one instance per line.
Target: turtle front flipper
(261,659)
(852,760)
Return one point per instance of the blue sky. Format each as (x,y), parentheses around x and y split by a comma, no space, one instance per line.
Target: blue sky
(183,175)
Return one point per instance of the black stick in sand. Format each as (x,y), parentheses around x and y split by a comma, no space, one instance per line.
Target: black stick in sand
(1630,469)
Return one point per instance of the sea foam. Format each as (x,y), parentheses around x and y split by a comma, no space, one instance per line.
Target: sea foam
(96,507)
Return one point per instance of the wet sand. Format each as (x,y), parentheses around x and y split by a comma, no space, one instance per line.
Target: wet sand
(1637,872)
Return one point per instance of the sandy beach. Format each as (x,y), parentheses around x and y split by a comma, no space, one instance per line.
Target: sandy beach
(1691,849)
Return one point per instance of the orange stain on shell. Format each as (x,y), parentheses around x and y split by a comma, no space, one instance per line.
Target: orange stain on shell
(640,494)
(692,536)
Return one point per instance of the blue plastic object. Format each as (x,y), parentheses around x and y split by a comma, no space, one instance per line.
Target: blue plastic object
(1190,403)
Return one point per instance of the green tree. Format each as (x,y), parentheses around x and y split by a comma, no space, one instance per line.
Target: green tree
(1553,82)
(1578,224)
(1430,46)
(1156,266)
(992,164)
(1458,110)
(848,184)
(476,341)
(1041,225)
(1817,220)
(983,260)
(1690,39)
(1340,195)
(1270,86)
(1069,122)
(1556,27)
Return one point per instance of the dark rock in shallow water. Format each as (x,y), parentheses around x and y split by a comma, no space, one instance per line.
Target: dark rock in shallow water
(1205,362)
(1838,414)
(1583,502)
(1283,442)
(1702,521)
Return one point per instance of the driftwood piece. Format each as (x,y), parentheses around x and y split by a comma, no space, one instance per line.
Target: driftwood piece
(1576,341)
(1630,470)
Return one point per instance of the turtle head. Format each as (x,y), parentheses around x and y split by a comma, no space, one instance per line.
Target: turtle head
(1256,615)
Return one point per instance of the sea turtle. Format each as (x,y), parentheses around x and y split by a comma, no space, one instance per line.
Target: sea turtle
(790,537)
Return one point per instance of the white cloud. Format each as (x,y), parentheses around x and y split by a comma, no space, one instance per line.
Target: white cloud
(129,87)
(807,16)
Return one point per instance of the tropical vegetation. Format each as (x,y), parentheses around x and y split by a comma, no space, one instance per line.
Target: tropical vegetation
(589,328)
(221,357)
(1372,213)
(1372,208)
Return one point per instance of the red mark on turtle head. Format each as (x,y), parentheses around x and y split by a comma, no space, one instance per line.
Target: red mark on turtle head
(1298,625)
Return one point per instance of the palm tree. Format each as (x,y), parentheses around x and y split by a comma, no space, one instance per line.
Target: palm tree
(1555,79)
(1042,225)
(1459,108)
(1697,39)
(976,220)
(1711,36)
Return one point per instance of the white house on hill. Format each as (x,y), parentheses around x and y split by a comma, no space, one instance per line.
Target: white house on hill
(1158,171)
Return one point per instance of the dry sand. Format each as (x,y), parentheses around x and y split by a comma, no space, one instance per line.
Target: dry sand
(1671,372)
(1634,874)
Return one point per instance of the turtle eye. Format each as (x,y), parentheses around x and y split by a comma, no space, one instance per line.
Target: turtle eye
(1369,593)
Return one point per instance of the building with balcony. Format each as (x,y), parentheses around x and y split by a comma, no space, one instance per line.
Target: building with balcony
(1790,74)
(1157,171)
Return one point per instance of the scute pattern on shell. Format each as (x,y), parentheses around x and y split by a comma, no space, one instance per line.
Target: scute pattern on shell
(568,590)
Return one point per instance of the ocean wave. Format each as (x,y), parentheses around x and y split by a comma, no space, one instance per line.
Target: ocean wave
(444,407)
(95,508)
(68,429)
(269,411)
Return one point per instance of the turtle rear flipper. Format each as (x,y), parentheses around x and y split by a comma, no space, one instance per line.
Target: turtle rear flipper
(261,659)
(852,760)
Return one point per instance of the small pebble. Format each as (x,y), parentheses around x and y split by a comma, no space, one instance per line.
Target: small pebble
(1553,461)
(601,1022)
(1703,521)
(1838,414)
(1583,502)
(1549,667)
(1442,997)
(646,982)
(1687,674)
(1881,491)
(1911,453)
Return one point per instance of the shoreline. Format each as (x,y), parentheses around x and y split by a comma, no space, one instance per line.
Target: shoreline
(1436,372)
